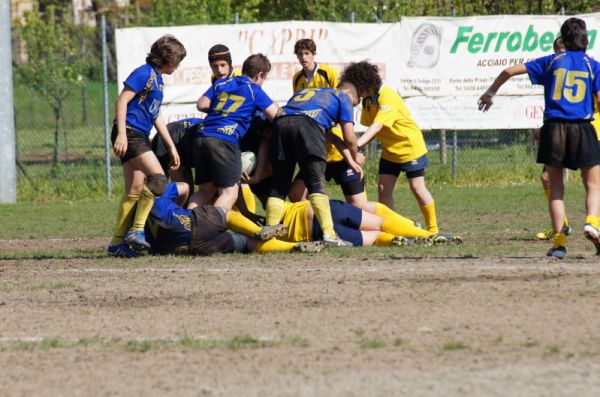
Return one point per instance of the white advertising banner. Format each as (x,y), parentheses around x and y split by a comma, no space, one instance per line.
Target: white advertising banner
(337,45)
(439,65)
(447,63)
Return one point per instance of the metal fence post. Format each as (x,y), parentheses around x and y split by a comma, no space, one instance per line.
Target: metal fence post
(443,154)
(454,155)
(8,163)
(106,129)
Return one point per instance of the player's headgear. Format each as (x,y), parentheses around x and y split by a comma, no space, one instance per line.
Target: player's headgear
(219,52)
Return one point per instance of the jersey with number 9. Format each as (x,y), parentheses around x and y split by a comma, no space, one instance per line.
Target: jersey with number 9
(233,102)
(570,81)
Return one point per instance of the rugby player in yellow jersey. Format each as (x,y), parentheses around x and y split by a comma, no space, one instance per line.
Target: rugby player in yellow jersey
(402,143)
(312,75)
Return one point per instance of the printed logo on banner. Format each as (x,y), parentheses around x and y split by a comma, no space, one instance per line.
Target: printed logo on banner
(425,46)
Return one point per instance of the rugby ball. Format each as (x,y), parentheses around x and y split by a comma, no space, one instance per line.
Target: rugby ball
(248,162)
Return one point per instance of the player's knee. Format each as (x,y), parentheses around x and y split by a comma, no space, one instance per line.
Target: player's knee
(157,184)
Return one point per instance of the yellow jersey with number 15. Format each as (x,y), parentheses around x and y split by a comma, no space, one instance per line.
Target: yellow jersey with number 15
(401,139)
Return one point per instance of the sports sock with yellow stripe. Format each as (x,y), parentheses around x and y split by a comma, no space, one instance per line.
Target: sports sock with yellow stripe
(125,215)
(559,240)
(274,245)
(398,225)
(144,206)
(275,208)
(320,205)
(249,198)
(384,239)
(428,212)
(240,224)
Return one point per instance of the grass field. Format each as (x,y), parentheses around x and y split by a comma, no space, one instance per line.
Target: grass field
(491,317)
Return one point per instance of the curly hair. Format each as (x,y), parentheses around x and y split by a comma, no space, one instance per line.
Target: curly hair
(363,75)
(166,51)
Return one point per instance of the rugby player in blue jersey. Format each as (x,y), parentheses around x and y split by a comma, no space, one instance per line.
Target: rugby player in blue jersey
(138,110)
(567,138)
(230,104)
(299,138)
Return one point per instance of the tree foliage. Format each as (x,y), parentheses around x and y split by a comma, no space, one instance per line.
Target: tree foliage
(54,60)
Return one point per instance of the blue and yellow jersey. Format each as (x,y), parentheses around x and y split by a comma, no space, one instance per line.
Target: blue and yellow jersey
(401,139)
(169,225)
(326,106)
(294,217)
(324,76)
(570,82)
(190,122)
(234,73)
(233,103)
(143,109)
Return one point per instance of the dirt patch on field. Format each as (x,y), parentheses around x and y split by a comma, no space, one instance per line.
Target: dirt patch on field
(300,325)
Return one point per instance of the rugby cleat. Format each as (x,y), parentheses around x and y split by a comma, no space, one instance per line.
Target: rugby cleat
(425,241)
(547,234)
(557,252)
(451,238)
(592,233)
(269,232)
(121,251)
(137,240)
(336,242)
(399,241)
(309,246)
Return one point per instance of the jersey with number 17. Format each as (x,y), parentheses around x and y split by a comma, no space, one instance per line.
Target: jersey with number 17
(233,102)
(570,80)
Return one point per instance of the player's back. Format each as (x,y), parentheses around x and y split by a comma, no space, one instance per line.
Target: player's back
(233,103)
(569,80)
(326,106)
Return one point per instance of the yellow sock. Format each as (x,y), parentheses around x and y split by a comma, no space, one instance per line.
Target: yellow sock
(320,205)
(275,207)
(398,225)
(547,193)
(124,217)
(430,218)
(384,239)
(559,240)
(144,206)
(240,224)
(591,219)
(274,245)
(249,198)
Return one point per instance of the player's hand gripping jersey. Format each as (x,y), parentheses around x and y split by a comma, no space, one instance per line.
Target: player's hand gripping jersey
(233,102)
(324,76)
(326,106)
(148,85)
(570,82)
(401,139)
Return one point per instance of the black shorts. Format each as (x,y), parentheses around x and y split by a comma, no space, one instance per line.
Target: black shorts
(344,176)
(413,169)
(568,144)
(262,189)
(217,161)
(183,138)
(137,143)
(209,232)
(296,138)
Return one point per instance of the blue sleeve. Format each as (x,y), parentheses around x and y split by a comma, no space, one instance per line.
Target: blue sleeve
(346,112)
(210,93)
(261,99)
(596,80)
(536,69)
(137,80)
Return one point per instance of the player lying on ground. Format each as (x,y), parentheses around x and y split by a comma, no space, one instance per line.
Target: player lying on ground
(567,139)
(172,229)
(358,227)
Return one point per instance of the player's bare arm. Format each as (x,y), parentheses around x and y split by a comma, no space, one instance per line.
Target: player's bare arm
(120,145)
(369,134)
(271,111)
(203,104)
(486,100)
(161,128)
